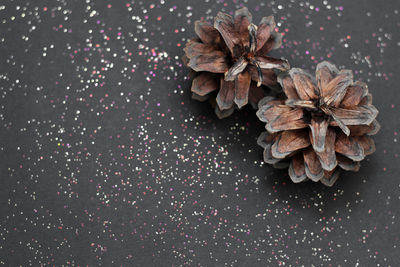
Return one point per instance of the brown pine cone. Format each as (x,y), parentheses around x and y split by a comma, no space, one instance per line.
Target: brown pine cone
(229,55)
(322,125)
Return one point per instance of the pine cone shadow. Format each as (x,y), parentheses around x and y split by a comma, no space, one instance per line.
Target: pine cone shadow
(321,200)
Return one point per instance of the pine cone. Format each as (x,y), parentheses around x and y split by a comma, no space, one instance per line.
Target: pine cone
(228,56)
(322,125)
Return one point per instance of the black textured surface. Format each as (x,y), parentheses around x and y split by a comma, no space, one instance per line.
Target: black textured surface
(106,160)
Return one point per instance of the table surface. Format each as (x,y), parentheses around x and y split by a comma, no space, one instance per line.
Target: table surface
(106,160)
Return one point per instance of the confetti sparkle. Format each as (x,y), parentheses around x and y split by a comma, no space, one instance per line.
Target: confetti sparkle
(105,159)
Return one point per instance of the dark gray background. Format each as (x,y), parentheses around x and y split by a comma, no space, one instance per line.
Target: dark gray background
(106,160)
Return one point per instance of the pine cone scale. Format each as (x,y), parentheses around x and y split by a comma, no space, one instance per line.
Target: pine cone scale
(289,120)
(312,165)
(349,147)
(205,83)
(358,130)
(271,110)
(324,73)
(335,90)
(297,170)
(194,48)
(267,25)
(242,86)
(347,164)
(367,144)
(361,115)
(304,83)
(288,86)
(207,33)
(288,142)
(226,94)
(274,42)
(327,157)
(224,24)
(330,177)
(243,19)
(319,127)
(354,95)
(212,62)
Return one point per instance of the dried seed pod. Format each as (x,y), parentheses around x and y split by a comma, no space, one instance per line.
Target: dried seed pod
(230,60)
(323,126)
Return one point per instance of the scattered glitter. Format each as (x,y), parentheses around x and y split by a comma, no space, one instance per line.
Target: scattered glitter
(107,161)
